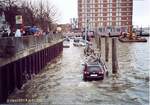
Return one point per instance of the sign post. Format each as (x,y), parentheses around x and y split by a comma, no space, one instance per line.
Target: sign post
(19,21)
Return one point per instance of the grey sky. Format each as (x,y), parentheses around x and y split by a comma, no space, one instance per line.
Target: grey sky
(68,9)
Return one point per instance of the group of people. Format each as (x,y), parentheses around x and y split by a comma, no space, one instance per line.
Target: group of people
(88,50)
(91,56)
(17,33)
(22,32)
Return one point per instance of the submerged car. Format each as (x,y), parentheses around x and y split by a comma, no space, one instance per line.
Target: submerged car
(94,70)
(81,42)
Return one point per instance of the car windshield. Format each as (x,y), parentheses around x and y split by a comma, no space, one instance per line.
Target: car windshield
(94,68)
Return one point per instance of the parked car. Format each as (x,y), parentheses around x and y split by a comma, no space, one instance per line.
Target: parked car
(79,43)
(94,70)
(66,44)
(76,42)
(66,39)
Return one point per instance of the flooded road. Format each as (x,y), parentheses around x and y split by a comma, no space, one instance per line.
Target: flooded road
(61,82)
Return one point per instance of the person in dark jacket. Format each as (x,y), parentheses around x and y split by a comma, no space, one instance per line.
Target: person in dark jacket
(12,34)
(5,33)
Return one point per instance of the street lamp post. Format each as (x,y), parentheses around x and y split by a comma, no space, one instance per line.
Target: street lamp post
(86,20)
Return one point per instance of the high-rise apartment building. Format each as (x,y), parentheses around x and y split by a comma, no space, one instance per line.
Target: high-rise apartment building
(105,15)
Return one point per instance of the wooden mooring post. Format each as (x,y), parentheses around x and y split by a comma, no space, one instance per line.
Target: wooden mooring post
(106,48)
(114,57)
(99,42)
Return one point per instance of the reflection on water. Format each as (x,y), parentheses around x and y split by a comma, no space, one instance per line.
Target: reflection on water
(61,81)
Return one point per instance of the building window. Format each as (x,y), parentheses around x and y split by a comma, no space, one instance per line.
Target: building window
(117,14)
(110,10)
(88,10)
(110,14)
(110,5)
(118,29)
(101,14)
(116,23)
(107,18)
(110,19)
(119,18)
(100,30)
(119,23)
(120,14)
(110,23)
(107,23)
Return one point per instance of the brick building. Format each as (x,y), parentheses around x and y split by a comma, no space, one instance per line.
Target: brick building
(105,15)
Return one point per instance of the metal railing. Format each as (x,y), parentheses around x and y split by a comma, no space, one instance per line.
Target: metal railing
(11,45)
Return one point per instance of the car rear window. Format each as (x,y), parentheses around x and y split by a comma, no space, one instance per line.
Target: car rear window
(94,68)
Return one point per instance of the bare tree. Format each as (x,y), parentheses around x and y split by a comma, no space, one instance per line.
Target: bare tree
(41,14)
(45,15)
(8,3)
(28,13)
(10,9)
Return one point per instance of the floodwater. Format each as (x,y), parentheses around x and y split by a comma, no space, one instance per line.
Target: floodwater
(61,82)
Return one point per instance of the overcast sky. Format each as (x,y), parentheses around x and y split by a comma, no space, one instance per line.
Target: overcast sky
(68,9)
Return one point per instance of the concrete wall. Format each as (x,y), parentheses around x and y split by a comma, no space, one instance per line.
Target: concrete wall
(30,57)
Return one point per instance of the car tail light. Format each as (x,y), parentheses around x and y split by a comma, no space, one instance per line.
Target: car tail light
(101,72)
(85,72)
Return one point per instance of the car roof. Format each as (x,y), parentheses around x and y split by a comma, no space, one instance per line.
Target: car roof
(93,64)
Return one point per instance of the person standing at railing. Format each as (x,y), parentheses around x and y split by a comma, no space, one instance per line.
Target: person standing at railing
(12,34)
(18,33)
(5,33)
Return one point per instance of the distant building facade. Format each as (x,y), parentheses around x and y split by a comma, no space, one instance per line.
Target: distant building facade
(105,15)
(65,27)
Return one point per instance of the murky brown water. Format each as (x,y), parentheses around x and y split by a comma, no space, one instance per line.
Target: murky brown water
(61,83)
